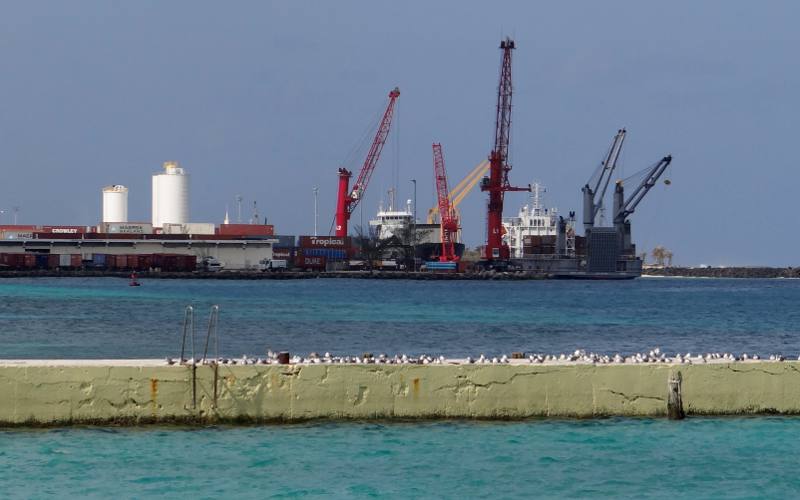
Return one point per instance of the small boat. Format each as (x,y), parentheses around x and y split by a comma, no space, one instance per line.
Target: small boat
(133,280)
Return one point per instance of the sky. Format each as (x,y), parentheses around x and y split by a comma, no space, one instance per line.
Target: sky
(268,99)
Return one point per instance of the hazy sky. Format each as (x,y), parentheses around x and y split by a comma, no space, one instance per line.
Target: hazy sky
(266,100)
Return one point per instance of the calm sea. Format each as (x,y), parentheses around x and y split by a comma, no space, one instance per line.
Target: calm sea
(696,458)
(632,458)
(105,318)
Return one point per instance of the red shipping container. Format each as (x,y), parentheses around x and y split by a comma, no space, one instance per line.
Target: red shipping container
(64,229)
(310,262)
(145,262)
(28,261)
(76,260)
(246,229)
(53,261)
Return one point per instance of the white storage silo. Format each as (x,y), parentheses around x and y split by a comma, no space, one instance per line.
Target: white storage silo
(115,203)
(170,195)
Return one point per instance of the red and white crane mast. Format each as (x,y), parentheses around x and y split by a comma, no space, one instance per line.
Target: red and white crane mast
(449,219)
(346,199)
(497,181)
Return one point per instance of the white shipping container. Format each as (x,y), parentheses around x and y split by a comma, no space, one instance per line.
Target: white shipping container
(128,228)
(172,229)
(16,235)
(199,228)
(64,260)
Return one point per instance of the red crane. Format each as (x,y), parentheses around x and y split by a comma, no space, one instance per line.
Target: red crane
(449,219)
(347,200)
(497,181)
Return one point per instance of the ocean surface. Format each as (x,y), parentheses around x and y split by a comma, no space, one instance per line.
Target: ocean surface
(633,458)
(620,458)
(106,318)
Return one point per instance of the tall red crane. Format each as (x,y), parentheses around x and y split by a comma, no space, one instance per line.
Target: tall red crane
(449,219)
(346,199)
(497,181)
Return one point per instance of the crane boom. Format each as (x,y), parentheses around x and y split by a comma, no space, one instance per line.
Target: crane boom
(449,221)
(496,183)
(462,189)
(623,209)
(591,200)
(347,199)
(609,167)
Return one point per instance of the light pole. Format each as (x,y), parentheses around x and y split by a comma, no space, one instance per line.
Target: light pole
(316,192)
(414,231)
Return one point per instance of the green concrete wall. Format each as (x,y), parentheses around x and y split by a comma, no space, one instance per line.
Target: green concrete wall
(48,393)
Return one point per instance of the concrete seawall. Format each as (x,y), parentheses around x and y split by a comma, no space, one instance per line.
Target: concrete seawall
(142,391)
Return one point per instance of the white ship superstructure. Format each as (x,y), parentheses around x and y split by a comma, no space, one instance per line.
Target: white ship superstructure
(393,222)
(533,219)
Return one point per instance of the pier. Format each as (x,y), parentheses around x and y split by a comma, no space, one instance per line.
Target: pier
(132,392)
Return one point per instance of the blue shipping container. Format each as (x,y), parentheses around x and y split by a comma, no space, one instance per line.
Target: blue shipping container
(41,260)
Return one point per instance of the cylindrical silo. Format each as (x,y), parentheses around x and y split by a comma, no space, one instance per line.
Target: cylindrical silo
(170,195)
(115,203)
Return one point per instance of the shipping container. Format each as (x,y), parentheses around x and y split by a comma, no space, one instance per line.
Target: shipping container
(325,242)
(286,254)
(29,261)
(533,240)
(76,260)
(64,260)
(16,235)
(328,253)
(285,241)
(98,260)
(126,228)
(311,262)
(42,260)
(18,227)
(58,236)
(53,261)
(64,229)
(145,262)
(246,229)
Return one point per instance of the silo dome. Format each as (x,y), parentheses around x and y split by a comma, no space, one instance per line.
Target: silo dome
(115,203)
(170,195)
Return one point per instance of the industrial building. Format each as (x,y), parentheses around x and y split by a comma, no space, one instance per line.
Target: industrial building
(117,243)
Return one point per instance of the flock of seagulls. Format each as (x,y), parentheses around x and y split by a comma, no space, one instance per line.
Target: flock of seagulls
(579,356)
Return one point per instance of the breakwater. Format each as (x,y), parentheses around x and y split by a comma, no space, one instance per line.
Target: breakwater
(150,391)
(725,272)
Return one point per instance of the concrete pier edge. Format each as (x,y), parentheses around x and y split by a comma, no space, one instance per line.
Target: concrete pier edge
(136,392)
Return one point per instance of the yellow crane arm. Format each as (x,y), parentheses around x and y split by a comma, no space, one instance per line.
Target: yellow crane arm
(463,188)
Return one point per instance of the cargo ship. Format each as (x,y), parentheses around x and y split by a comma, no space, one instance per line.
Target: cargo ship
(393,223)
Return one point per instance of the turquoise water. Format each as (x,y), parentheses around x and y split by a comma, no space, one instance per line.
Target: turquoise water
(632,458)
(105,318)
(705,458)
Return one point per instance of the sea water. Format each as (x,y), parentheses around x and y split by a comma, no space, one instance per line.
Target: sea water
(106,318)
(619,458)
(631,458)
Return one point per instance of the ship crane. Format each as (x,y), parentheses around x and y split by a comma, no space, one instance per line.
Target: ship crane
(449,219)
(462,189)
(593,197)
(496,183)
(347,200)
(624,208)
